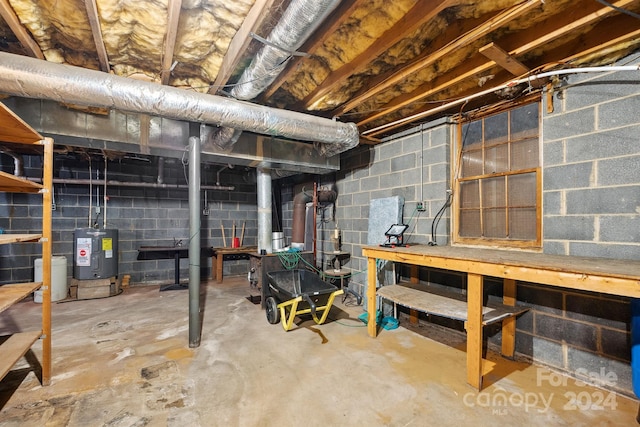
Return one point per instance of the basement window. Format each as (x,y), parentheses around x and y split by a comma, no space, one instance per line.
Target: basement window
(498,179)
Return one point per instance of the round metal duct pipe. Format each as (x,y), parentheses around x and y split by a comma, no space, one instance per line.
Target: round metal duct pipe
(264,210)
(34,78)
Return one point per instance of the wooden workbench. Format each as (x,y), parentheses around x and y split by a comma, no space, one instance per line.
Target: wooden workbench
(219,254)
(615,277)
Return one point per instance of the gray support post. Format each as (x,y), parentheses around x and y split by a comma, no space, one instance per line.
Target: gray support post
(194,242)
(264,210)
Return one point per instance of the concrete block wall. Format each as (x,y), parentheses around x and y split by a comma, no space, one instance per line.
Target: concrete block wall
(591,207)
(142,216)
(592,167)
(591,194)
(414,165)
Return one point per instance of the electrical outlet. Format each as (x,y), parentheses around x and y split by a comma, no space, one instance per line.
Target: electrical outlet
(421,206)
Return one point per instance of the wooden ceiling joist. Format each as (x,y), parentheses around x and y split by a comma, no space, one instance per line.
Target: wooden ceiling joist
(240,42)
(421,12)
(96,30)
(565,24)
(622,29)
(18,29)
(517,45)
(385,81)
(466,71)
(503,59)
(173,19)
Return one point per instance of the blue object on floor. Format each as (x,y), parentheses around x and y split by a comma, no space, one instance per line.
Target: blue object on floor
(387,322)
(364,317)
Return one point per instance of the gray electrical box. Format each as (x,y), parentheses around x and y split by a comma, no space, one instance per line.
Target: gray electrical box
(95,253)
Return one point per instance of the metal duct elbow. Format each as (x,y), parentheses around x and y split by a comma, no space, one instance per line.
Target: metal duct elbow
(18,163)
(299,212)
(329,150)
(224,138)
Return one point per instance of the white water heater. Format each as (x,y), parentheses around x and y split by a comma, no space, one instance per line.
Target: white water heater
(95,253)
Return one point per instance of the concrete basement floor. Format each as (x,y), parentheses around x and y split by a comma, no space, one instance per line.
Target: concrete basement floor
(124,361)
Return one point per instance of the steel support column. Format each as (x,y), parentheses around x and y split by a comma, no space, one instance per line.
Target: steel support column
(194,242)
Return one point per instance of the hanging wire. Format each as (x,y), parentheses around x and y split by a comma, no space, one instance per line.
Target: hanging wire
(185,163)
(90,193)
(437,218)
(619,9)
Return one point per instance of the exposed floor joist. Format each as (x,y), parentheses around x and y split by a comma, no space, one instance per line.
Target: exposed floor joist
(96,30)
(620,30)
(440,49)
(371,62)
(515,44)
(173,19)
(240,42)
(422,11)
(7,13)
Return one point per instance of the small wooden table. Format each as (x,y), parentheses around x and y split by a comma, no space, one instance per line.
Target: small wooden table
(220,254)
(609,276)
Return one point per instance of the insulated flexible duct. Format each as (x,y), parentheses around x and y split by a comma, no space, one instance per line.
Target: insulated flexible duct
(298,22)
(34,78)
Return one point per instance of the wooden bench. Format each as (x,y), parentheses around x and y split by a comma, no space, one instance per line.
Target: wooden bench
(432,300)
(608,276)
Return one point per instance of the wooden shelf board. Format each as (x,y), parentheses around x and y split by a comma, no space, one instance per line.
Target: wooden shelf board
(452,307)
(16,238)
(12,293)
(14,348)
(13,184)
(14,129)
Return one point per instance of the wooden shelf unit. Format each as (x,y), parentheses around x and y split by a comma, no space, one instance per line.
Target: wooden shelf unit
(17,134)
